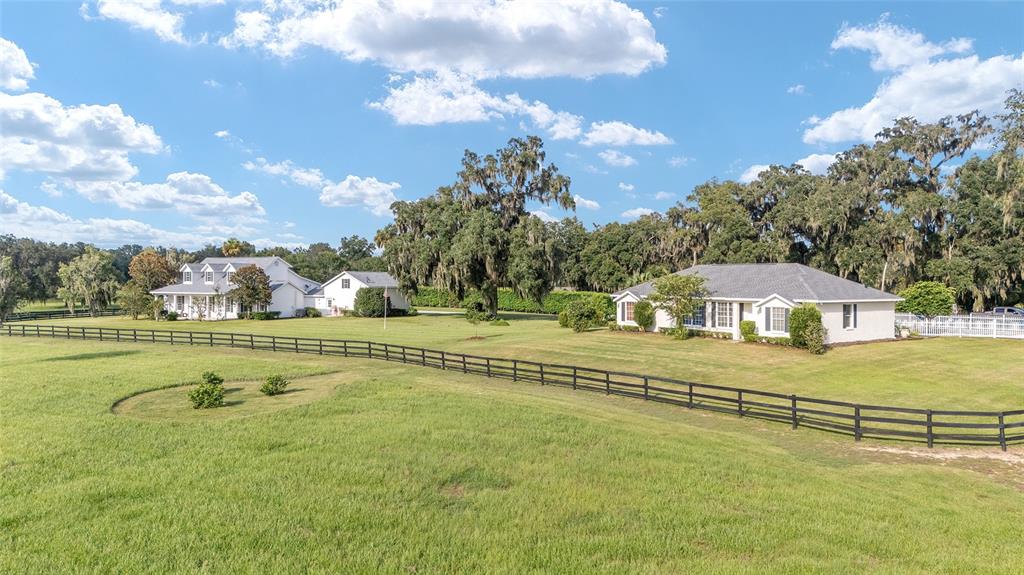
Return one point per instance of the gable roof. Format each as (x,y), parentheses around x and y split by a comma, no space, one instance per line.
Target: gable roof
(371,279)
(795,282)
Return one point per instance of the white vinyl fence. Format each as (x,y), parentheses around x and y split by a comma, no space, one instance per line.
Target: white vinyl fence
(963,325)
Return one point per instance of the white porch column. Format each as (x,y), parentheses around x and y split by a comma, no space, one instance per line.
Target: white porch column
(737,310)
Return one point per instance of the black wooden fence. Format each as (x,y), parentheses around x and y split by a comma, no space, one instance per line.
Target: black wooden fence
(61,314)
(902,423)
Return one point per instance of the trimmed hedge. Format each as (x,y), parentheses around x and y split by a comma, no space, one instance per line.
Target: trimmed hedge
(508,300)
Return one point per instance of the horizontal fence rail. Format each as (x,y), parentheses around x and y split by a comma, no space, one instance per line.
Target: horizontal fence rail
(61,314)
(963,325)
(929,426)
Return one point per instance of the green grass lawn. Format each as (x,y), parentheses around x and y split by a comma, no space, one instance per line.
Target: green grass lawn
(47,305)
(947,373)
(377,467)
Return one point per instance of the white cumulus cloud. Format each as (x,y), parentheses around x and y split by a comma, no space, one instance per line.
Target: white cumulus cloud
(15,69)
(751,173)
(925,80)
(585,203)
(637,212)
(370,193)
(626,187)
(817,163)
(617,133)
(483,39)
(617,158)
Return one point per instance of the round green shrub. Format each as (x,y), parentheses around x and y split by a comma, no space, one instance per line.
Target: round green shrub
(274,385)
(927,298)
(799,319)
(499,323)
(172,316)
(370,302)
(209,393)
(313,312)
(581,315)
(643,314)
(814,338)
(748,329)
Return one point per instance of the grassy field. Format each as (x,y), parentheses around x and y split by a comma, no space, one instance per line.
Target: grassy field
(949,373)
(375,467)
(47,305)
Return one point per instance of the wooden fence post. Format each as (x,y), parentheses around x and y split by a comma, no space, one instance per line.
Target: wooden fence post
(856,423)
(515,370)
(464,369)
(930,438)
(739,402)
(488,367)
(273,343)
(541,374)
(444,364)
(645,388)
(689,395)
(423,356)
(574,377)
(607,383)
(792,400)
(1002,431)
(252,343)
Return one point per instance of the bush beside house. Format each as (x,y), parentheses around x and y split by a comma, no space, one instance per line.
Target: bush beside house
(927,298)
(508,300)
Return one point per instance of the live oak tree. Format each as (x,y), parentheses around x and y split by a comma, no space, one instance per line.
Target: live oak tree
(477,234)
(10,287)
(252,287)
(90,278)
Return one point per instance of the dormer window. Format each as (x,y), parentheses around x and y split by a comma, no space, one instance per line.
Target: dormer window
(208,277)
(228,276)
(186,276)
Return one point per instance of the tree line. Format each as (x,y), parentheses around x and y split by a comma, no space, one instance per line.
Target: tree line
(938,201)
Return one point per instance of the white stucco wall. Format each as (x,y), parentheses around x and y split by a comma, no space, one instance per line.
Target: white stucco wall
(875,320)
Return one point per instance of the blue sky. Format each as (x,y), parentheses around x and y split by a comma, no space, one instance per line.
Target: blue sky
(188,121)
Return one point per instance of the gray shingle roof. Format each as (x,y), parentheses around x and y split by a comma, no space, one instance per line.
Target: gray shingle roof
(243,261)
(795,282)
(375,279)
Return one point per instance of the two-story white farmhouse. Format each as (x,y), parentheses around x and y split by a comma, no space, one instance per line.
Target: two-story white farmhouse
(202,292)
(338,294)
(203,289)
(765,293)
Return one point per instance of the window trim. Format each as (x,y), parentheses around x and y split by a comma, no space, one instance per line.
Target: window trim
(346,283)
(186,276)
(849,316)
(719,315)
(208,276)
(627,310)
(772,320)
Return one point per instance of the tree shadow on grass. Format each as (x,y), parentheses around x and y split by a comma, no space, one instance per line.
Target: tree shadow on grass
(92,355)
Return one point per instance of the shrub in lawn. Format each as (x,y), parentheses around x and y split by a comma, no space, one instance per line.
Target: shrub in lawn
(209,393)
(581,315)
(274,385)
(264,315)
(370,302)
(476,311)
(748,329)
(312,312)
(499,323)
(927,298)
(799,319)
(814,338)
(643,314)
(172,316)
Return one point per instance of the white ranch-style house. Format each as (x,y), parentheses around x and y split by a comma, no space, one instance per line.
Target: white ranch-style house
(203,288)
(765,293)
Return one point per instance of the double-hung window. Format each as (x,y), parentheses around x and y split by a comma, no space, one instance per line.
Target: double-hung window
(627,310)
(776,319)
(697,319)
(723,314)
(849,316)
(186,276)
(346,283)
(208,277)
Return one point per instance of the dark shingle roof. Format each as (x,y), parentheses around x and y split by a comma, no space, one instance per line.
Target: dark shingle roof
(795,282)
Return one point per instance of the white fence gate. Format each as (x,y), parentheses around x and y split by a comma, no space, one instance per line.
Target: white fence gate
(963,325)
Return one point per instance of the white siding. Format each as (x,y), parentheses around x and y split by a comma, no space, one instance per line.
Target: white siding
(342,299)
(875,320)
